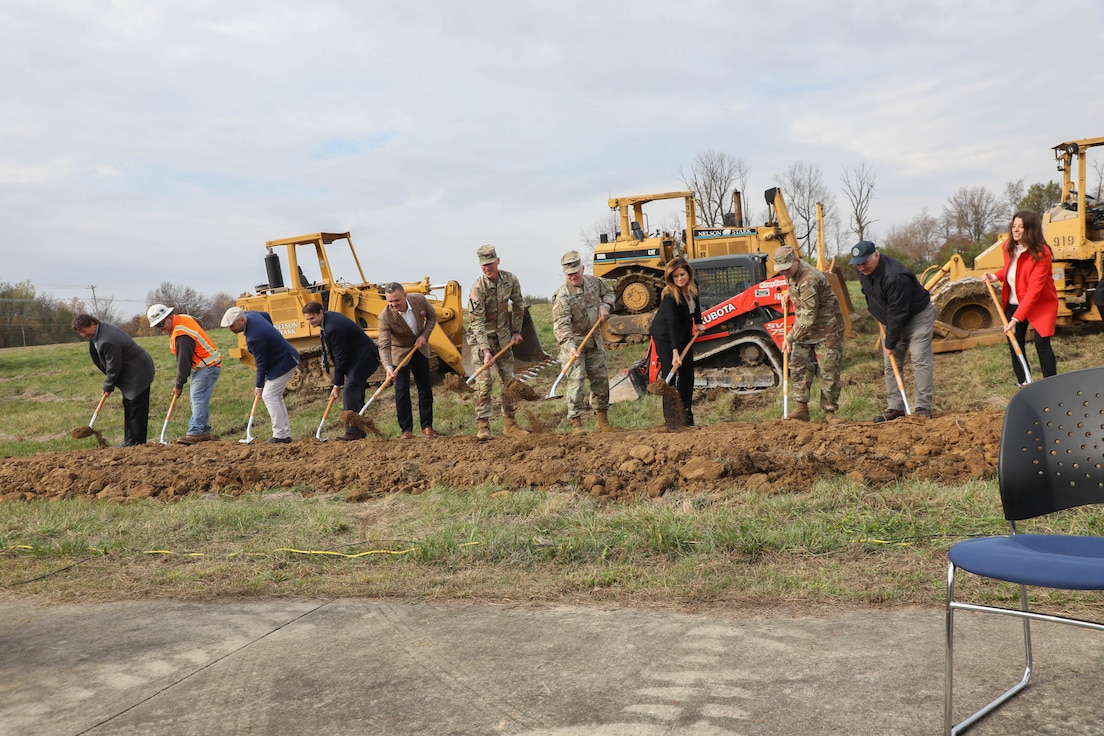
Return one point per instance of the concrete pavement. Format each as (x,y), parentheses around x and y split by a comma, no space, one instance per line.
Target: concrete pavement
(293,667)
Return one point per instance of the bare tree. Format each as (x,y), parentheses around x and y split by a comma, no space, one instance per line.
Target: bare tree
(972,212)
(1097,164)
(803,186)
(920,239)
(1013,195)
(712,178)
(858,185)
(183,299)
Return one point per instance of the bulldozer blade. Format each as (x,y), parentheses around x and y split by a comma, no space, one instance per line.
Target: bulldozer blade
(629,385)
(529,351)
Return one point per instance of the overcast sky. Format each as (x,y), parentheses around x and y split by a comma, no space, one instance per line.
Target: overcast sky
(147,141)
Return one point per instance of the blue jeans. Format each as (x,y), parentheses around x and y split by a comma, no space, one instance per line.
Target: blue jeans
(203,385)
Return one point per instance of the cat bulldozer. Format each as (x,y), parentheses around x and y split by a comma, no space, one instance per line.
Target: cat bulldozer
(285,293)
(1074,229)
(635,260)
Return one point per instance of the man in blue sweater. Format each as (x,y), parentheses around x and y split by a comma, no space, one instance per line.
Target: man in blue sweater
(276,360)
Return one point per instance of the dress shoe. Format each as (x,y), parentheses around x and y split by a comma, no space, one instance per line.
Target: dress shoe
(278,441)
(889,415)
(429,433)
(407,436)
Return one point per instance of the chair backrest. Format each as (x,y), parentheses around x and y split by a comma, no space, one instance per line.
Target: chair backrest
(1052,445)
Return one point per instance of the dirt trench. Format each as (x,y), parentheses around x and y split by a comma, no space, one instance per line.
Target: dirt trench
(625,464)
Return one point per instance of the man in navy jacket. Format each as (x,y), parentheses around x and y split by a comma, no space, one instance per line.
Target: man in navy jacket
(353,355)
(276,360)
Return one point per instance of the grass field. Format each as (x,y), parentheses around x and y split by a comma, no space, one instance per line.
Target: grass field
(835,543)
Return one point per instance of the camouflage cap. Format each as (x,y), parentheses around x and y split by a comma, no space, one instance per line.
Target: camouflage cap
(572,262)
(486,254)
(783,257)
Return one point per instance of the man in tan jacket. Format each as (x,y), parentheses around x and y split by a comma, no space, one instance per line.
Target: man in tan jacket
(405,326)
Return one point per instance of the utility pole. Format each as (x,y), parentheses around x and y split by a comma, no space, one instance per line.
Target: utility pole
(95,305)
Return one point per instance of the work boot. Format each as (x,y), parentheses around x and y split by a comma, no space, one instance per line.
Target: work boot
(801,413)
(831,419)
(577,425)
(509,426)
(192,439)
(484,429)
(603,421)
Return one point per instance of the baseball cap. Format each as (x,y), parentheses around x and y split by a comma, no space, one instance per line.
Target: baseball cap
(860,251)
(783,257)
(572,262)
(232,315)
(486,254)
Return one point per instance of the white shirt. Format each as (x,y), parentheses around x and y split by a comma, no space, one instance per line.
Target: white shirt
(1010,275)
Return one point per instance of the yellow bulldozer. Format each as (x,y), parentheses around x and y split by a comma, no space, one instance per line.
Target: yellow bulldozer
(1074,229)
(635,259)
(285,293)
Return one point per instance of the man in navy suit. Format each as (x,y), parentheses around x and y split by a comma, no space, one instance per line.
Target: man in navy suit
(353,355)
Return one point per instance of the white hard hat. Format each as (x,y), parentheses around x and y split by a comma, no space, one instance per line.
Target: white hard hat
(157,314)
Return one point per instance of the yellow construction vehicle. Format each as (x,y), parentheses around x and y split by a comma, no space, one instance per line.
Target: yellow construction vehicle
(1074,229)
(283,299)
(635,259)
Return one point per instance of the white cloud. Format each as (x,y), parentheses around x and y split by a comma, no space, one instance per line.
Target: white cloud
(167,140)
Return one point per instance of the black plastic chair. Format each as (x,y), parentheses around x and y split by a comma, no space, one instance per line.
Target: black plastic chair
(1051,458)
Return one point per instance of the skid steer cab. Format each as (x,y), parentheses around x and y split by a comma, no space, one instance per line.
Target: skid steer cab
(741,348)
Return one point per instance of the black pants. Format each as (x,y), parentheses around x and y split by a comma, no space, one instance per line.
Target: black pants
(1048,364)
(136,419)
(683,382)
(352,394)
(423,377)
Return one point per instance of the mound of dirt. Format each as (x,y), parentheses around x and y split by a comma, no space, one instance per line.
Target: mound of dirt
(624,464)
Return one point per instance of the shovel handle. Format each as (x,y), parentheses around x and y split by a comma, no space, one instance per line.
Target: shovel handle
(253,411)
(329,405)
(99,406)
(896,370)
(571,361)
(487,365)
(172,405)
(682,356)
(387,381)
(1011,338)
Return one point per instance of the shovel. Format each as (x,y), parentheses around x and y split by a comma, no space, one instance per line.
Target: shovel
(172,405)
(664,388)
(485,366)
(572,359)
(88,431)
(387,382)
(896,372)
(329,404)
(249,427)
(1011,337)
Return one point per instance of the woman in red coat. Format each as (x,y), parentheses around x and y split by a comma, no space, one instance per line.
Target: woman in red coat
(1028,292)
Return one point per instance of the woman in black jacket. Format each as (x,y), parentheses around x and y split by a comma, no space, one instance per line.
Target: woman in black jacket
(676,323)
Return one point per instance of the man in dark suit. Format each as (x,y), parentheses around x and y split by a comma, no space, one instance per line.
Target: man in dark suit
(405,326)
(125,366)
(352,354)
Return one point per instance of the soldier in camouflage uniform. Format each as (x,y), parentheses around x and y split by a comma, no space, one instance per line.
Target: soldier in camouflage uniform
(580,302)
(496,309)
(818,326)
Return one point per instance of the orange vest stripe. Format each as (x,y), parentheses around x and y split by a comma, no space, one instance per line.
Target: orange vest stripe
(206,352)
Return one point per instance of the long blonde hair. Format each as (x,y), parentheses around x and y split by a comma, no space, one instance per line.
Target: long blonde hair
(669,278)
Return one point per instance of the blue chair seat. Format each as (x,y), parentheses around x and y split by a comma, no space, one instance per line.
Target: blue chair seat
(1044,560)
